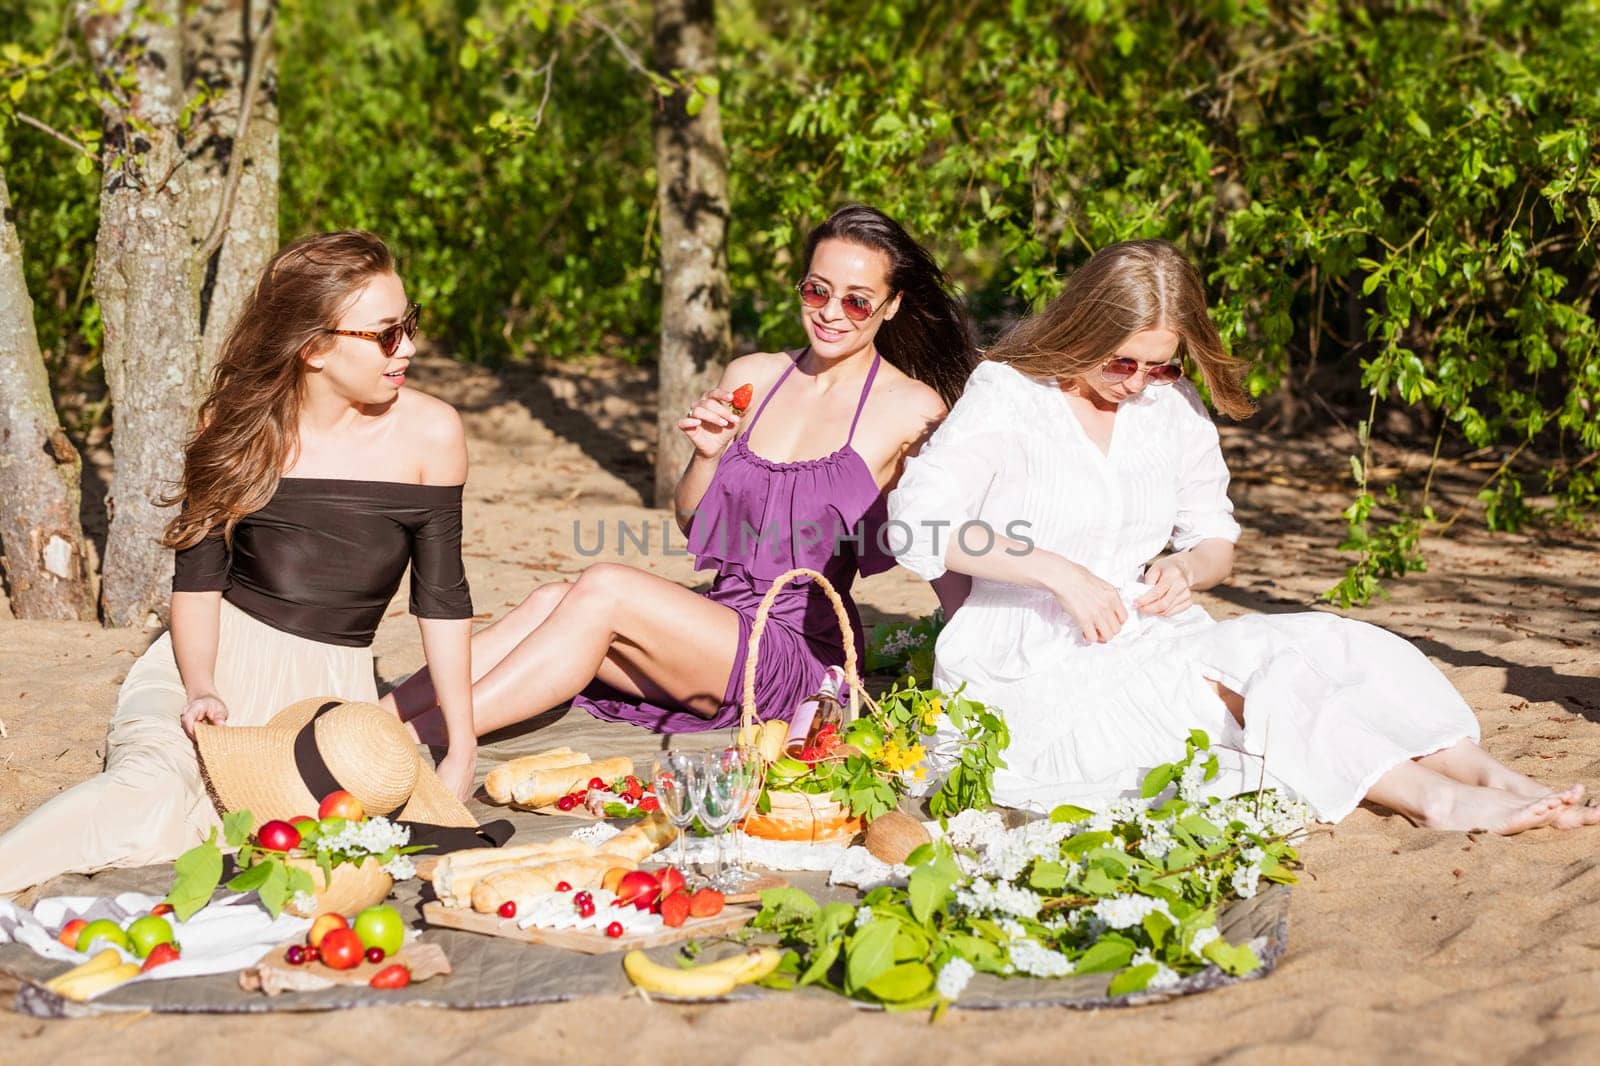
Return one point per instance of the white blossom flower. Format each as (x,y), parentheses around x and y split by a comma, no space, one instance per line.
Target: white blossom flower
(1117,812)
(953,978)
(863,916)
(1012,928)
(400,867)
(303,903)
(1202,938)
(1001,897)
(1246,880)
(1192,782)
(974,828)
(1033,958)
(1126,912)
(1155,837)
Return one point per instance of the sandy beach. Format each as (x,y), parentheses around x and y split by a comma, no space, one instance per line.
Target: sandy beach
(1403,944)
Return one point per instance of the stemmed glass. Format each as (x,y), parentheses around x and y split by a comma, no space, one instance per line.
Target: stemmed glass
(752,776)
(679,779)
(720,801)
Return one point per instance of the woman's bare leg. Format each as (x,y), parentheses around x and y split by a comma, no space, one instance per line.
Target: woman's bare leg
(1464,787)
(641,634)
(490,645)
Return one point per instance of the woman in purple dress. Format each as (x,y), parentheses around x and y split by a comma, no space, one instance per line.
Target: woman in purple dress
(800,482)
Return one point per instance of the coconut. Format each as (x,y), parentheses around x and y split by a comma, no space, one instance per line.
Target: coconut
(892,836)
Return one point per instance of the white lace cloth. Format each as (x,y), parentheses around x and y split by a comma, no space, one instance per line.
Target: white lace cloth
(229,934)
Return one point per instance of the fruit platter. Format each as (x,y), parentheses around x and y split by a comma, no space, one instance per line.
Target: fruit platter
(369,949)
(149,939)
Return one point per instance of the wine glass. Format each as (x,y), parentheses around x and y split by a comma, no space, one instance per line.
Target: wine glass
(679,780)
(752,778)
(725,778)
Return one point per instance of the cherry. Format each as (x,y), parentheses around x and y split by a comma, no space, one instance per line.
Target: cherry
(586,910)
(614,930)
(561,886)
(566,803)
(295,955)
(598,785)
(374,954)
(582,897)
(310,954)
(508,909)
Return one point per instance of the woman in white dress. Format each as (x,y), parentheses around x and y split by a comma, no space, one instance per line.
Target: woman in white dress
(1075,456)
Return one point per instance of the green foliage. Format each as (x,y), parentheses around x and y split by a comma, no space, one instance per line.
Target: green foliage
(1134,893)
(884,754)
(905,647)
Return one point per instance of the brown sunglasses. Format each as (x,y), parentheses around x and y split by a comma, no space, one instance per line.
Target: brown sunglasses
(856,308)
(1121,369)
(388,339)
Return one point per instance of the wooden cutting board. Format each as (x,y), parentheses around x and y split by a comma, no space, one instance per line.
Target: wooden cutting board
(587,941)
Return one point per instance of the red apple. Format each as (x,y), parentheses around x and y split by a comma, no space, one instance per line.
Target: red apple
(69,933)
(638,887)
(341,804)
(278,836)
(671,881)
(341,949)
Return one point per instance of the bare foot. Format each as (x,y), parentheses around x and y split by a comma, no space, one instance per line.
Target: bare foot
(1576,816)
(1494,810)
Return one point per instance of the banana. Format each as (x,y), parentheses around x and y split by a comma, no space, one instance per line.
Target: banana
(748,966)
(750,735)
(671,981)
(90,985)
(102,961)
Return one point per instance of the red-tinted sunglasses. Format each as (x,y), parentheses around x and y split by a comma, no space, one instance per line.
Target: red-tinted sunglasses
(388,339)
(856,308)
(1121,369)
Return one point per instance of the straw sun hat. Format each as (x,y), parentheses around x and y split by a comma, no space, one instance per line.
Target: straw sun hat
(309,749)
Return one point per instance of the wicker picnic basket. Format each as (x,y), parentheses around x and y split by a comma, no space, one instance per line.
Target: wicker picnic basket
(802,816)
(353,888)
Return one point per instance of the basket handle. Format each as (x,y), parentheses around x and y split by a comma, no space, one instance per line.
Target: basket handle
(857,689)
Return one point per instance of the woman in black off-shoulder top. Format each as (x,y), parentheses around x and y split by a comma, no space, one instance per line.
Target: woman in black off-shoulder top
(315,483)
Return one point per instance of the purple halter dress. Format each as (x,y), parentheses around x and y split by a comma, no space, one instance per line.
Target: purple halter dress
(757,520)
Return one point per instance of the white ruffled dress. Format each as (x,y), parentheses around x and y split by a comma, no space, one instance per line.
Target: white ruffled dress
(1330,704)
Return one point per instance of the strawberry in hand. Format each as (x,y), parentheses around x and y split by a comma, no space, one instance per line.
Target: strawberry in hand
(741,398)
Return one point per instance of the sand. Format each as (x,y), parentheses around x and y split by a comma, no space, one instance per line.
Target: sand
(1404,944)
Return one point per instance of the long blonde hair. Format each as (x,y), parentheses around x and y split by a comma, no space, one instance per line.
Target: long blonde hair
(248,427)
(1125,289)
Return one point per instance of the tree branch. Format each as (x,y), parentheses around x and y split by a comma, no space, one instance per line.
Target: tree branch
(230,189)
(628,54)
(77,146)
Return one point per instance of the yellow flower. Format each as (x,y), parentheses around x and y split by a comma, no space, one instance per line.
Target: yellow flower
(920,773)
(897,758)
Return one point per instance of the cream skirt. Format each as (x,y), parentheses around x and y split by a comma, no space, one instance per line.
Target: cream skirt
(149,805)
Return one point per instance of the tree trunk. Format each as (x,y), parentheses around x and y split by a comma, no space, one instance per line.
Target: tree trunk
(45,563)
(159,201)
(223,40)
(692,201)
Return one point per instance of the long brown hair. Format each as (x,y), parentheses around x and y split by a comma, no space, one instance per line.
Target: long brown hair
(248,428)
(1125,289)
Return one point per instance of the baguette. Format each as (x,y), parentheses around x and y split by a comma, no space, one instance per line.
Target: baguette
(519,882)
(541,788)
(502,777)
(640,842)
(457,873)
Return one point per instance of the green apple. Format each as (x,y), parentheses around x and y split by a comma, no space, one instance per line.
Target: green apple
(381,927)
(309,829)
(145,933)
(330,826)
(103,929)
(865,736)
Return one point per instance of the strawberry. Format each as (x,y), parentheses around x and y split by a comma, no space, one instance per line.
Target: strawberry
(633,788)
(396,976)
(649,804)
(159,955)
(675,909)
(741,398)
(705,903)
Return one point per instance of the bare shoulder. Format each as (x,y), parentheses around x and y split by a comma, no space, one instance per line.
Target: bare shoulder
(434,434)
(760,369)
(909,405)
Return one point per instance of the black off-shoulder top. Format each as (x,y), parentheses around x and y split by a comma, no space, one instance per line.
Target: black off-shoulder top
(324,557)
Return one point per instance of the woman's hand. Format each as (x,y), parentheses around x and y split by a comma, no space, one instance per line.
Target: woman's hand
(1172,588)
(457,768)
(204,708)
(1090,602)
(710,423)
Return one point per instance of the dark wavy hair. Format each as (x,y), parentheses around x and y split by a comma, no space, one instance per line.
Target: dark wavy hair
(930,338)
(249,422)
